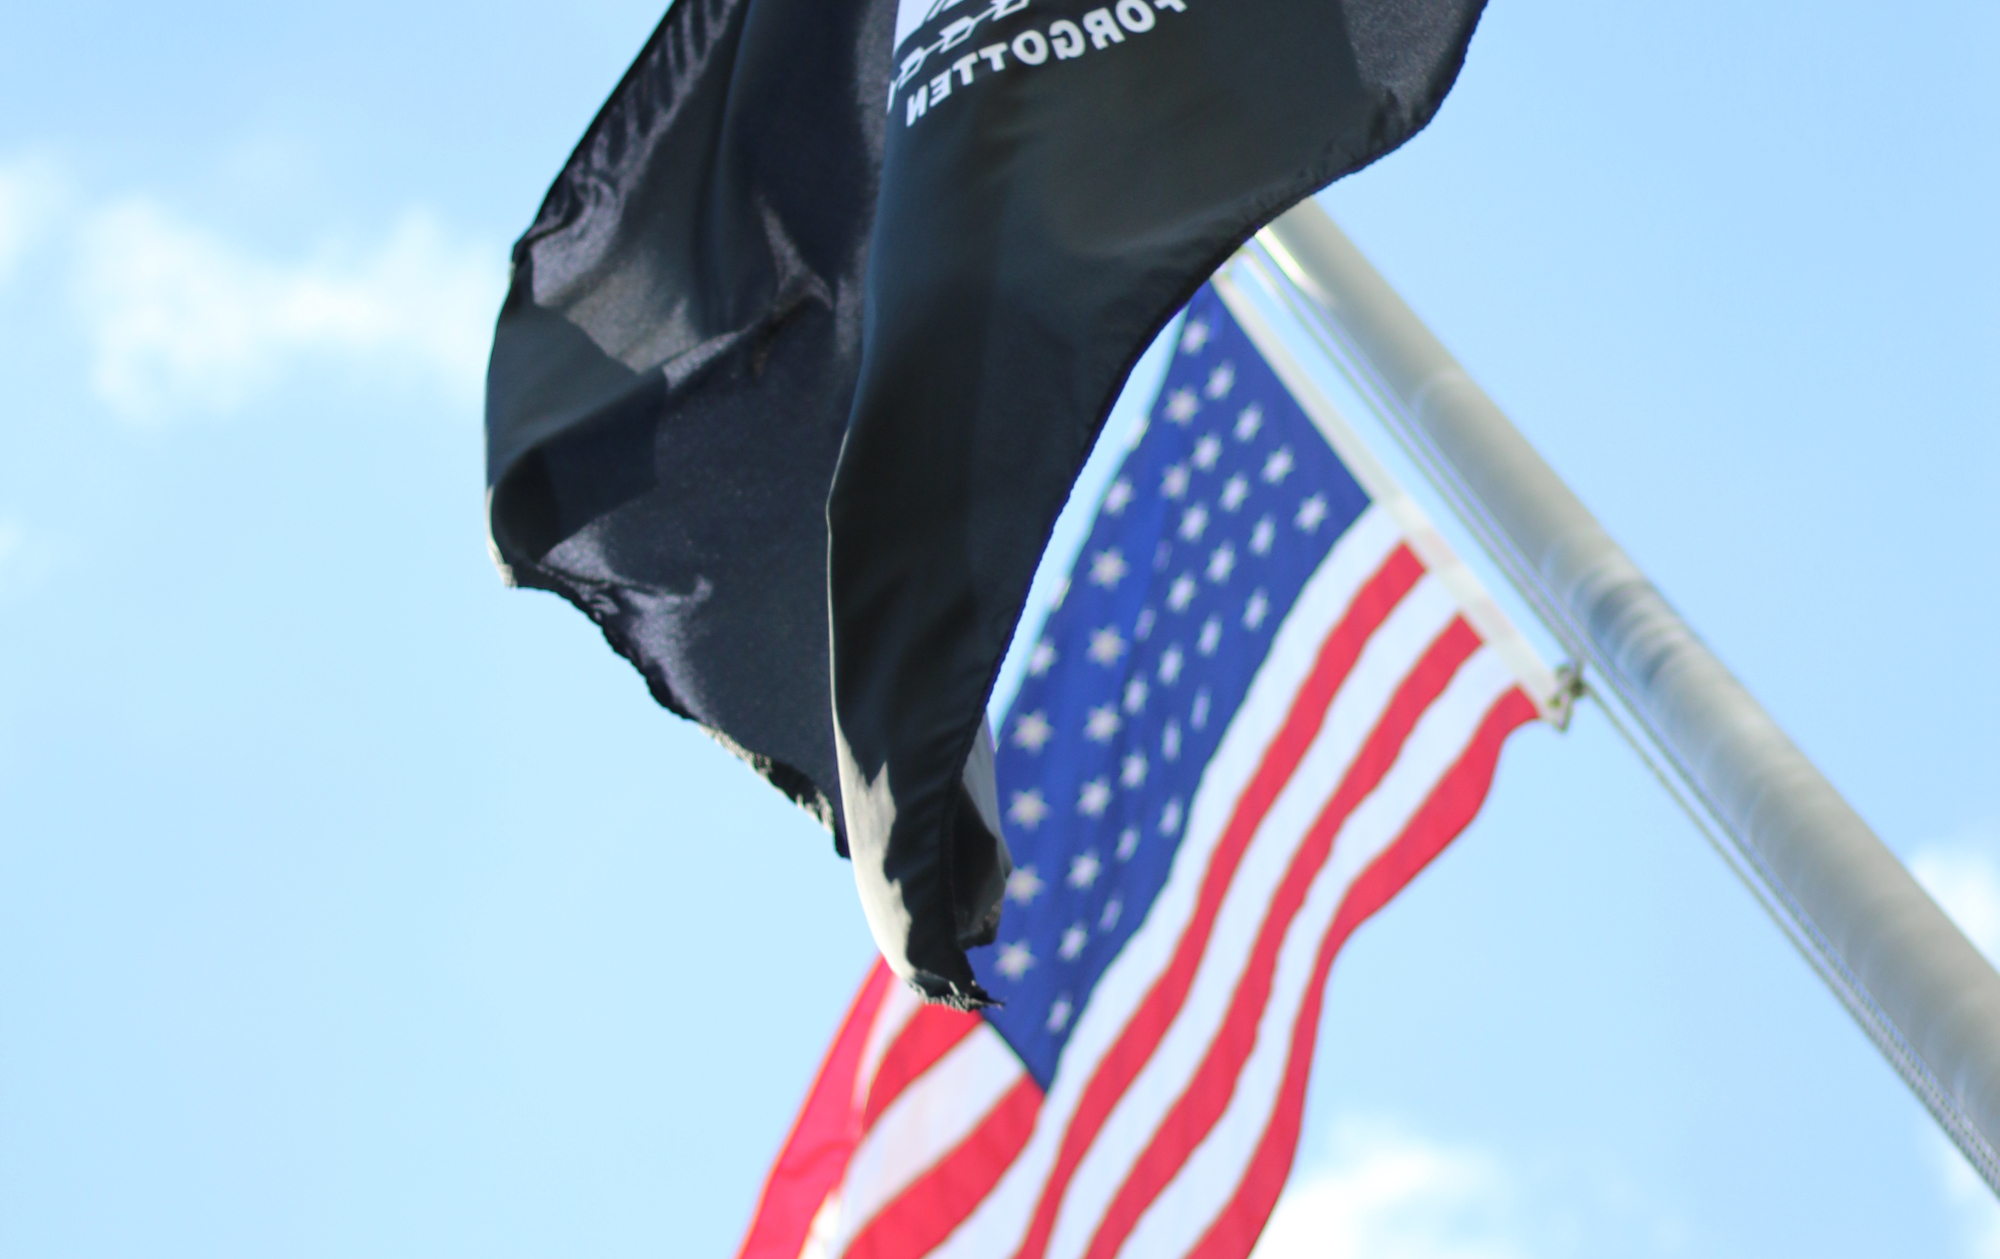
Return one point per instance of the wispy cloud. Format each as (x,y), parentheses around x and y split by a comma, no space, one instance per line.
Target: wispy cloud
(1384,1192)
(183,321)
(1963,874)
(31,191)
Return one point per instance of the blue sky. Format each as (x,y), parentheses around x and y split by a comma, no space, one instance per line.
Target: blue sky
(351,904)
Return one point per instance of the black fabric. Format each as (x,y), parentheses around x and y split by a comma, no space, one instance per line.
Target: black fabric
(673,368)
(773,358)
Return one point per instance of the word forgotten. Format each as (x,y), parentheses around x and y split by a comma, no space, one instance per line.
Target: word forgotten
(1064,41)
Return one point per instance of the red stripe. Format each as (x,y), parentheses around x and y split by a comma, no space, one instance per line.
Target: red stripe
(1142,1033)
(1206,1096)
(923,1215)
(815,1154)
(932,1032)
(1450,807)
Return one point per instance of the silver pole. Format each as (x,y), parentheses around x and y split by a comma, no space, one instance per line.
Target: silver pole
(1917,986)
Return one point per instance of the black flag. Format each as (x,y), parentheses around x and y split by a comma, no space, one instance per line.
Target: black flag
(819,322)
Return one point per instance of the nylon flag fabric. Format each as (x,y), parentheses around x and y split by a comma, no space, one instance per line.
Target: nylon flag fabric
(1253,717)
(815,329)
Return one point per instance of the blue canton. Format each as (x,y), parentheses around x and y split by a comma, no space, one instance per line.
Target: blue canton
(1225,506)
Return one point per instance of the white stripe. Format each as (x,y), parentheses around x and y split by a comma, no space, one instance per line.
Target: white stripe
(996,1228)
(927,1121)
(1211,1176)
(899,1005)
(1391,653)
(1326,598)
(821,1233)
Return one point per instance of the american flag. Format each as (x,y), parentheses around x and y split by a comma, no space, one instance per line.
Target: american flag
(1254,714)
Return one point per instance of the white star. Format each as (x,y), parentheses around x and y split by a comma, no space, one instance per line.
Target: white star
(1263,535)
(1083,870)
(1206,452)
(1132,772)
(1199,717)
(1032,731)
(1170,817)
(1174,482)
(1128,843)
(1062,592)
(1028,808)
(1311,513)
(1059,1014)
(1135,695)
(1101,724)
(1170,665)
(1107,568)
(1194,336)
(1144,628)
(1193,521)
(1279,465)
(1014,960)
(1118,497)
(1041,658)
(1220,381)
(1093,799)
(1161,554)
(1024,885)
(1170,741)
(1222,563)
(1211,637)
(1109,918)
(1106,645)
(1181,405)
(1073,941)
(1234,491)
(1256,610)
(1248,421)
(1181,593)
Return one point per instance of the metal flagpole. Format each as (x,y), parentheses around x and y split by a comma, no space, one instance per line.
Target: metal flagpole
(1927,998)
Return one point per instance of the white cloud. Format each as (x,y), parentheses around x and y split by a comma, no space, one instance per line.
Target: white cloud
(184,321)
(31,192)
(1386,1193)
(1963,875)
